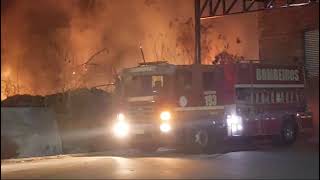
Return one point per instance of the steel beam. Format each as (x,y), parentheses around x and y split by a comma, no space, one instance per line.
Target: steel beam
(213,7)
(197,16)
(218,8)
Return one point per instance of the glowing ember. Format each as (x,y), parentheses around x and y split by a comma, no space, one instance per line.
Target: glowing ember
(5,73)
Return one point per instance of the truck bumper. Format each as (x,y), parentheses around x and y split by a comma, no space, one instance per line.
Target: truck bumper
(179,135)
(158,138)
(148,134)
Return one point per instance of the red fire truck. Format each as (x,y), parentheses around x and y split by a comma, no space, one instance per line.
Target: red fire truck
(199,105)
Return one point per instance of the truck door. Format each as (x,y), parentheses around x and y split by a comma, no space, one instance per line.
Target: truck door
(183,88)
(264,97)
(250,114)
(210,88)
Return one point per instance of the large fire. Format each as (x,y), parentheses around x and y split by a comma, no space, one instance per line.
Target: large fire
(45,43)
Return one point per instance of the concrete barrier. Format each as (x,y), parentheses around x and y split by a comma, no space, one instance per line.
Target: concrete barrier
(33,129)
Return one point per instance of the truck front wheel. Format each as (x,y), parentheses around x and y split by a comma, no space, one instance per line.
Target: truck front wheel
(202,141)
(149,148)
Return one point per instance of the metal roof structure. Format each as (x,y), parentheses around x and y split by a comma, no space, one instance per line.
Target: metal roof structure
(208,9)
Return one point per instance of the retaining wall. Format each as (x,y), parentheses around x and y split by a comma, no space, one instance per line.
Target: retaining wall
(33,130)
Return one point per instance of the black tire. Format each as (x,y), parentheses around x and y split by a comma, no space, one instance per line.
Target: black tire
(202,141)
(289,133)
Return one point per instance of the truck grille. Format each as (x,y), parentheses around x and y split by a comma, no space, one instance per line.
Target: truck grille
(141,113)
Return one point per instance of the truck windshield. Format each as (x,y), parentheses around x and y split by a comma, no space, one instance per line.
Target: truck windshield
(144,85)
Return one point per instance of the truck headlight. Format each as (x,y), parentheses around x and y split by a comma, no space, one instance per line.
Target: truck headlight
(120,116)
(165,127)
(165,115)
(234,122)
(121,129)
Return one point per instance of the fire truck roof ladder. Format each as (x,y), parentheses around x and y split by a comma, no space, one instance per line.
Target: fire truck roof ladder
(153,63)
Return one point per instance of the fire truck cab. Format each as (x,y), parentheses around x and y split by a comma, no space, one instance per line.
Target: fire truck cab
(199,105)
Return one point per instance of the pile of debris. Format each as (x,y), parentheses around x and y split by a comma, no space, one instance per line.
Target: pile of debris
(26,100)
(225,58)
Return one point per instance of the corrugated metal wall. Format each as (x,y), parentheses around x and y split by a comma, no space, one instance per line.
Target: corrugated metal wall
(311,39)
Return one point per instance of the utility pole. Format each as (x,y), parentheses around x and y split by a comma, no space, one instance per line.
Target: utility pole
(197,27)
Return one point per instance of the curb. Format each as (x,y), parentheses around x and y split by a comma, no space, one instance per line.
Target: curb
(30,159)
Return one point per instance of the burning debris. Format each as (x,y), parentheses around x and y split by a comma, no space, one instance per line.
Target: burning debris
(224,58)
(23,101)
(27,100)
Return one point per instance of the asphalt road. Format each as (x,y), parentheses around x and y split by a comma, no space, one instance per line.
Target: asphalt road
(279,163)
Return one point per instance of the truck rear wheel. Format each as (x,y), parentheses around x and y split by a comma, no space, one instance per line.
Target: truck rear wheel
(288,134)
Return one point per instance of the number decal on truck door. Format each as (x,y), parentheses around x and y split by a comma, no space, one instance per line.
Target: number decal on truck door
(210,98)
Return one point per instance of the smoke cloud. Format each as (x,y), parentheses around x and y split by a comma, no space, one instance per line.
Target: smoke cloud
(44,43)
